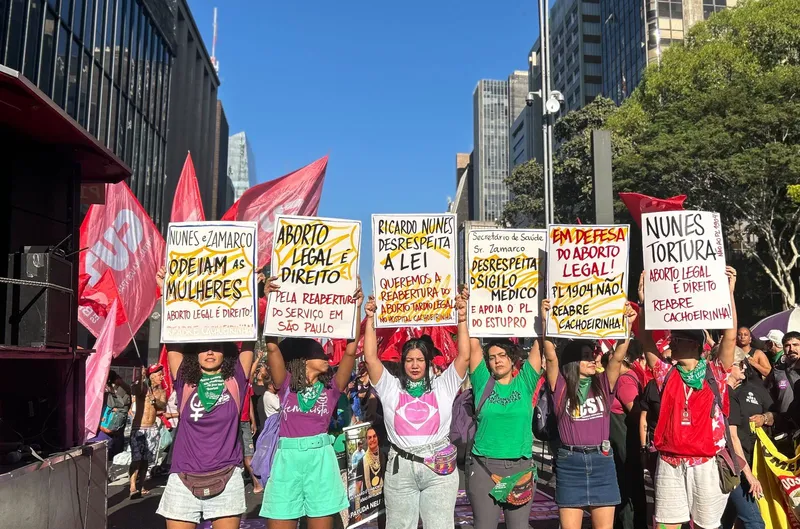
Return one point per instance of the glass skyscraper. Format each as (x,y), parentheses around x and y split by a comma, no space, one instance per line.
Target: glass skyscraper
(241,164)
(107,63)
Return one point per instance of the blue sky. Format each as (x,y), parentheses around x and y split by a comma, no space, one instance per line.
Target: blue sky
(385,88)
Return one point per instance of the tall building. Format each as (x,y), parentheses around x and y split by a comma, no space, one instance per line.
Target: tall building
(193,115)
(460,204)
(241,164)
(108,65)
(493,102)
(223,193)
(634,38)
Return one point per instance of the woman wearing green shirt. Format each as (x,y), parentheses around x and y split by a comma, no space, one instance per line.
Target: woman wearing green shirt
(500,471)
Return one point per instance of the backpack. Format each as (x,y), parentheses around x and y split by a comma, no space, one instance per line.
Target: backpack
(464,421)
(545,422)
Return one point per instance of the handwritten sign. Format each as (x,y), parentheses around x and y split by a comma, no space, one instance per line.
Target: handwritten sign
(414,269)
(587,275)
(684,260)
(505,276)
(316,261)
(210,284)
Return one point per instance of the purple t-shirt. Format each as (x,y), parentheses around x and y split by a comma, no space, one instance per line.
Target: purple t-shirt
(589,426)
(208,440)
(295,423)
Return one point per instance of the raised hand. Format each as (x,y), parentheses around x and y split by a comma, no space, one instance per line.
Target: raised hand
(359,294)
(272,285)
(461,306)
(160,275)
(370,308)
(630,315)
(546,306)
(641,287)
(731,273)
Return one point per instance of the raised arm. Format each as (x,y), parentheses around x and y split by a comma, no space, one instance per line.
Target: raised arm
(246,356)
(549,349)
(349,359)
(727,345)
(374,364)
(535,356)
(651,354)
(615,361)
(462,361)
(277,367)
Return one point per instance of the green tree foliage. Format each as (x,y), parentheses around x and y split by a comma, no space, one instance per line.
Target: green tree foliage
(719,120)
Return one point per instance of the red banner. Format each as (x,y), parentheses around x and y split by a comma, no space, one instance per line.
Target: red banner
(296,193)
(121,237)
(638,204)
(101,296)
(187,205)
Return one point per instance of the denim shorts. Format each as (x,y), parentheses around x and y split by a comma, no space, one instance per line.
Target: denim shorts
(178,502)
(246,435)
(586,479)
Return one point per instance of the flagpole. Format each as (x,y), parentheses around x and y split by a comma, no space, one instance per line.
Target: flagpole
(135,346)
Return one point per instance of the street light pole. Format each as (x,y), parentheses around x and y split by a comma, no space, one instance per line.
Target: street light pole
(551,104)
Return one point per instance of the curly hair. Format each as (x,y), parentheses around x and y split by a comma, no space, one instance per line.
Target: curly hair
(190,367)
(299,380)
(512,350)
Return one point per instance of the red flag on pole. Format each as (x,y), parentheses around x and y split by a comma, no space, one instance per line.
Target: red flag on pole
(97,368)
(101,296)
(296,193)
(122,239)
(187,205)
(638,204)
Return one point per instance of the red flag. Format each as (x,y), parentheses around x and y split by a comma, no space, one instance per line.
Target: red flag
(164,362)
(101,296)
(296,193)
(638,204)
(97,367)
(121,238)
(187,206)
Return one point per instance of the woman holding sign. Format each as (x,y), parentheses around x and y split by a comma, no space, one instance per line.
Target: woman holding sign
(582,398)
(304,479)
(420,476)
(500,471)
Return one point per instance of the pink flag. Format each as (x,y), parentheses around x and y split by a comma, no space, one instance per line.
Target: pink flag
(187,206)
(121,237)
(97,366)
(296,193)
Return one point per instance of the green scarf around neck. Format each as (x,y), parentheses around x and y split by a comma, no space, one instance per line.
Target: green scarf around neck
(209,389)
(694,378)
(777,357)
(583,389)
(415,388)
(308,397)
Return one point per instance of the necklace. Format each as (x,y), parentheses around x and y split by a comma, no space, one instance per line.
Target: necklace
(374,463)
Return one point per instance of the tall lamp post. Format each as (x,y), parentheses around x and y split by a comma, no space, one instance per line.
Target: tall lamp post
(551,105)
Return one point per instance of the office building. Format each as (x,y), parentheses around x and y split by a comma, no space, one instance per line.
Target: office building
(107,64)
(635,34)
(493,102)
(193,114)
(241,164)
(460,204)
(222,198)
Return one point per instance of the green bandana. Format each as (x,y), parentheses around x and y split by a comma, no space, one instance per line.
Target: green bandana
(694,378)
(777,357)
(308,397)
(503,487)
(415,389)
(209,390)
(583,389)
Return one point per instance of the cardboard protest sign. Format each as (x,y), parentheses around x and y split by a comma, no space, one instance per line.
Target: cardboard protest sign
(414,269)
(506,272)
(316,261)
(685,286)
(587,276)
(209,290)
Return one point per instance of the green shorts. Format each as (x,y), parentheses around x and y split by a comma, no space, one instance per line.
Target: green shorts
(304,480)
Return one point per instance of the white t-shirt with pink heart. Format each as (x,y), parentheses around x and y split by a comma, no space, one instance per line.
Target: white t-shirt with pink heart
(411,421)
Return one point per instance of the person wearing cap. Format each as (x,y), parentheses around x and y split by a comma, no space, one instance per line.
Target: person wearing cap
(420,480)
(755,357)
(149,399)
(774,345)
(304,480)
(582,397)
(503,439)
(782,385)
(691,428)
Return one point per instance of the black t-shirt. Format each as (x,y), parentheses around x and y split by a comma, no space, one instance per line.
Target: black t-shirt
(650,402)
(750,398)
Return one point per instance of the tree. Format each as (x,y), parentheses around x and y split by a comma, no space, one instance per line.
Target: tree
(719,120)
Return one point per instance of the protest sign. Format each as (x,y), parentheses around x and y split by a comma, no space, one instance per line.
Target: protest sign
(685,286)
(780,481)
(414,270)
(587,276)
(366,467)
(505,276)
(316,261)
(210,285)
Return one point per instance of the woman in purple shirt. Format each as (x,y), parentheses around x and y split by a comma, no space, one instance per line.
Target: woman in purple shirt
(584,464)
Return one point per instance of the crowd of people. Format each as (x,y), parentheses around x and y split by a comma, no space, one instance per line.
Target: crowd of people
(676,412)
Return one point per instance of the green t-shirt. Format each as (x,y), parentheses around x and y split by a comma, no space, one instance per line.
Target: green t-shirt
(505,421)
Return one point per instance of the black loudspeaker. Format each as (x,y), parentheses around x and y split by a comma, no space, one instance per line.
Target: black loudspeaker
(38,316)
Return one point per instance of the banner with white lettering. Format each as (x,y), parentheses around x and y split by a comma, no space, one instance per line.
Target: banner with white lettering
(316,261)
(685,284)
(210,290)
(414,269)
(587,278)
(506,274)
